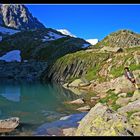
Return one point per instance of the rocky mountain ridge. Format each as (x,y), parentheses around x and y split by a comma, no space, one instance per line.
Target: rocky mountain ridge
(17,16)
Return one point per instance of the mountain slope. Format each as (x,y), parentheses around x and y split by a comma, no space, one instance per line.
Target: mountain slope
(121,38)
(42,44)
(18,16)
(94,64)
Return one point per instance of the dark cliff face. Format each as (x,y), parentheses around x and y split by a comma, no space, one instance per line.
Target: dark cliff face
(81,64)
(18,16)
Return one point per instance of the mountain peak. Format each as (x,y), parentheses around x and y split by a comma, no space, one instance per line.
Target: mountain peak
(18,16)
(121,38)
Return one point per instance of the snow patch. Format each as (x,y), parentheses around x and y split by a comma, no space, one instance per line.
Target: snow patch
(92,41)
(65,32)
(5,30)
(12,56)
(52,36)
(55,36)
(25,61)
(85,45)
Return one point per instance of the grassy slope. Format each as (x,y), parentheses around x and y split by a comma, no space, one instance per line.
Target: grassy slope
(95,62)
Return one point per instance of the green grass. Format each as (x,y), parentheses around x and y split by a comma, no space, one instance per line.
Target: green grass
(113,97)
(116,72)
(110,96)
(115,107)
(135,67)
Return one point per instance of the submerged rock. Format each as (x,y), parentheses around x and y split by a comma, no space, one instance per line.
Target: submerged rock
(66,122)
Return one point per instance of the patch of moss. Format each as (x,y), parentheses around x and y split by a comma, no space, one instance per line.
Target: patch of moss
(130,113)
(115,107)
(129,94)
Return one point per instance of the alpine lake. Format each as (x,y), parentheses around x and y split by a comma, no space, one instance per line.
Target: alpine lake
(35,104)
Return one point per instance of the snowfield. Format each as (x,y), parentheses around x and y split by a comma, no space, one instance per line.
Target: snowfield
(65,32)
(5,30)
(12,56)
(52,36)
(92,41)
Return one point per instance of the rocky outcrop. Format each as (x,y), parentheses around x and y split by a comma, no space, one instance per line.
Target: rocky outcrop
(131,107)
(119,85)
(74,66)
(137,58)
(135,122)
(101,121)
(109,49)
(24,70)
(122,39)
(18,16)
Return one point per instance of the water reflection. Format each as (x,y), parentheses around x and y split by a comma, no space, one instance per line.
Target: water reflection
(34,102)
(11,93)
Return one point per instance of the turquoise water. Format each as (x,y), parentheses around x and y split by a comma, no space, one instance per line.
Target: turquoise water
(34,103)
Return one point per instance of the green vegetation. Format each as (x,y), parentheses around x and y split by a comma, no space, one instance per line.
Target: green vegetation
(110,99)
(116,72)
(129,114)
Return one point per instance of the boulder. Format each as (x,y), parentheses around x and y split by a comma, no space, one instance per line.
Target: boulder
(119,85)
(136,95)
(75,83)
(123,101)
(111,49)
(102,121)
(77,101)
(9,125)
(122,84)
(135,123)
(122,95)
(69,131)
(79,83)
(84,108)
(95,98)
(130,107)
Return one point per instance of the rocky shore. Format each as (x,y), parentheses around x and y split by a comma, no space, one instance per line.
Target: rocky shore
(112,111)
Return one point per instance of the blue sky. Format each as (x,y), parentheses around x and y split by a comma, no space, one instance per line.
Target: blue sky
(88,21)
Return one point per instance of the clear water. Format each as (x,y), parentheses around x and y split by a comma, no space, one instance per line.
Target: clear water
(34,103)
